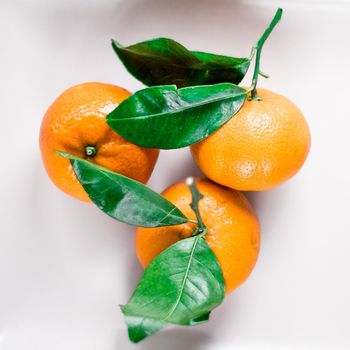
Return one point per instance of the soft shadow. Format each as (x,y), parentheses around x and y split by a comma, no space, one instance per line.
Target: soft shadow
(172,338)
(174,166)
(136,271)
(268,205)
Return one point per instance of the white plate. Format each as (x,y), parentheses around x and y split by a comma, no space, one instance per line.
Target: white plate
(65,266)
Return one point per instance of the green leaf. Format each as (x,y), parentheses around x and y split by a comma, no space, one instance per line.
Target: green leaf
(180,286)
(166,117)
(124,199)
(163,61)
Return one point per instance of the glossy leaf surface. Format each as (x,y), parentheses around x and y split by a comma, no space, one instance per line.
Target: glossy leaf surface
(180,286)
(166,117)
(124,199)
(164,61)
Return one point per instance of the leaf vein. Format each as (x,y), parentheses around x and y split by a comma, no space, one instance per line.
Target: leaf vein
(180,110)
(172,310)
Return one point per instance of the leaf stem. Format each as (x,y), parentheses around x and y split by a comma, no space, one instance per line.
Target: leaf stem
(263,74)
(196,197)
(258,47)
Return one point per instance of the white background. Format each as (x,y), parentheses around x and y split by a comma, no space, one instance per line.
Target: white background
(65,266)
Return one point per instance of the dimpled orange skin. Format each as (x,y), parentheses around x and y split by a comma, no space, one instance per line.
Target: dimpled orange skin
(263,145)
(76,120)
(234,233)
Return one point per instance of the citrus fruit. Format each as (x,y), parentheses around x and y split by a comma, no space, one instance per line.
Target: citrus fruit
(75,123)
(260,147)
(233,229)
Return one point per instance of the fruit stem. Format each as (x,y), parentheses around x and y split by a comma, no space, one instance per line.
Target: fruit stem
(196,197)
(258,47)
(90,151)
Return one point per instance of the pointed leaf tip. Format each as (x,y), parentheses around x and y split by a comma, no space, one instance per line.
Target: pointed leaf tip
(123,198)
